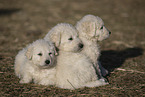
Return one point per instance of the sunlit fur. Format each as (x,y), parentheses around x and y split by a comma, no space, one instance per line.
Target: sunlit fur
(73,69)
(30,63)
(91,30)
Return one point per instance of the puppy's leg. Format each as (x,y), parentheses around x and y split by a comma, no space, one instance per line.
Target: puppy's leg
(26,79)
(104,72)
(98,70)
(46,81)
(96,83)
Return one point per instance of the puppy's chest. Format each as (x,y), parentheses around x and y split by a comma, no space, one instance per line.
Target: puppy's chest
(42,72)
(92,51)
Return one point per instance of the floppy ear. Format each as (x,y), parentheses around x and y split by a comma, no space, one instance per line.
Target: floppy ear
(89,28)
(29,53)
(55,52)
(55,38)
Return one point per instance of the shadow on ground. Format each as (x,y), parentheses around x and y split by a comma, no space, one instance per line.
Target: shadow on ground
(8,11)
(111,59)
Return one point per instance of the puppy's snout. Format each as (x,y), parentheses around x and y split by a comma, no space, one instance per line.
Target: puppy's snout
(47,61)
(81,45)
(109,32)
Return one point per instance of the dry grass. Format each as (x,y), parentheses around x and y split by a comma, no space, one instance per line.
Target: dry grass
(22,21)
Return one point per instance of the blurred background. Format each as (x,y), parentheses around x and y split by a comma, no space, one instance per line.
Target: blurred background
(23,21)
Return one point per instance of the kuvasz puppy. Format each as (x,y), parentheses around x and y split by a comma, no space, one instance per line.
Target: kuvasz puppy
(73,70)
(91,29)
(36,62)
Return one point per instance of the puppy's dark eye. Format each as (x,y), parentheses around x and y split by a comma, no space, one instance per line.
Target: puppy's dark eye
(70,38)
(101,27)
(50,53)
(40,54)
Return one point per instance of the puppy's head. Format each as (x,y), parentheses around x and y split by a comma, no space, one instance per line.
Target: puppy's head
(65,38)
(92,27)
(41,53)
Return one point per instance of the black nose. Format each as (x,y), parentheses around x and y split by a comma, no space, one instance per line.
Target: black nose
(109,32)
(47,61)
(81,45)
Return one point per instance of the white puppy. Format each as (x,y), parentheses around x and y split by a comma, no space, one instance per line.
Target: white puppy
(73,69)
(91,29)
(36,62)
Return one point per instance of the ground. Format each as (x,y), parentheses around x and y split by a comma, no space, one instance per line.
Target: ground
(23,21)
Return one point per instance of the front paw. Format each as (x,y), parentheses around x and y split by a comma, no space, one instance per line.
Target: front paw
(23,81)
(46,82)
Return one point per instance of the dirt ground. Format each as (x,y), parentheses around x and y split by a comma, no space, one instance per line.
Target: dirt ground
(23,21)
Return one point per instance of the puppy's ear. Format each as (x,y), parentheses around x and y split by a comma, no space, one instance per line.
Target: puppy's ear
(55,38)
(55,51)
(29,52)
(89,28)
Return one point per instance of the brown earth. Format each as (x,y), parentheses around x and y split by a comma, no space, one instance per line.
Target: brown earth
(23,21)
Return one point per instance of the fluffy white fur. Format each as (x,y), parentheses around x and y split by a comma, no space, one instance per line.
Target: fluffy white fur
(91,30)
(36,63)
(73,69)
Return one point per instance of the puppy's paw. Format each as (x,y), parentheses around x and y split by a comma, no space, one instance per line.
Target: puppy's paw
(46,82)
(23,81)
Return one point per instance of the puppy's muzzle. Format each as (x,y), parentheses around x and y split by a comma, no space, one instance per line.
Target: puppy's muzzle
(81,45)
(109,32)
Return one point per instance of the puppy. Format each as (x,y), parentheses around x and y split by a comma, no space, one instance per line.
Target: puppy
(36,62)
(73,70)
(91,30)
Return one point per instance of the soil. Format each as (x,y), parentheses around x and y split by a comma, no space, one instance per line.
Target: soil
(23,21)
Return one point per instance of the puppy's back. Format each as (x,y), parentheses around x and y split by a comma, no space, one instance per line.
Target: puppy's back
(74,70)
(19,61)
